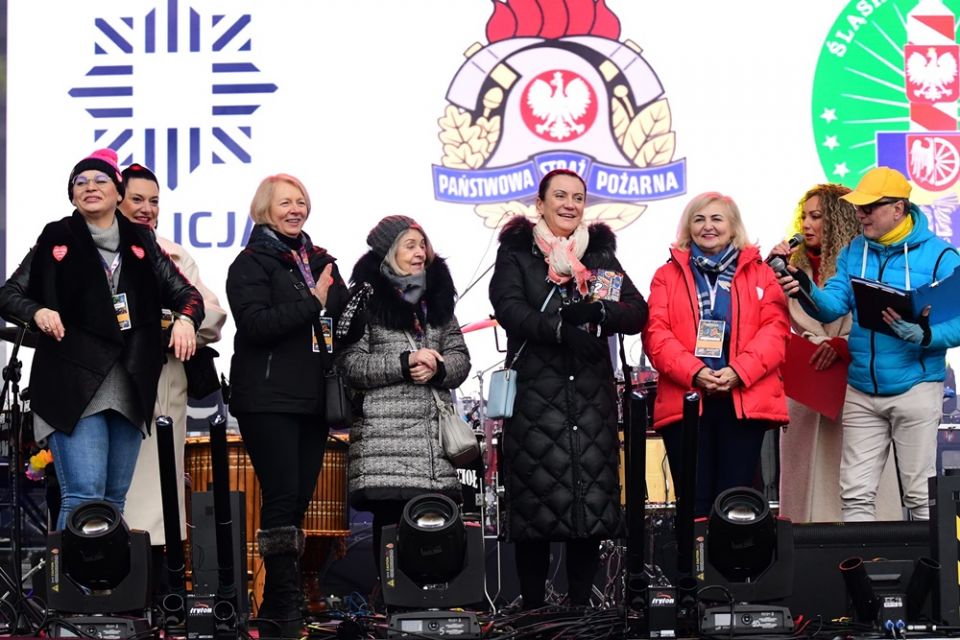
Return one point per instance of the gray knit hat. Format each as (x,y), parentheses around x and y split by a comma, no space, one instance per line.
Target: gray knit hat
(382,236)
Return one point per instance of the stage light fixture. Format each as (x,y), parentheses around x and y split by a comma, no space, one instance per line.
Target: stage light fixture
(431,539)
(432,558)
(97,565)
(742,548)
(96,546)
(743,534)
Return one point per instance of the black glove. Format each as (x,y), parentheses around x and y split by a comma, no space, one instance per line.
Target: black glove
(803,280)
(582,312)
(583,344)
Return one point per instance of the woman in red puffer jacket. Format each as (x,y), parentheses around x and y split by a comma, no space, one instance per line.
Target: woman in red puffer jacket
(715,286)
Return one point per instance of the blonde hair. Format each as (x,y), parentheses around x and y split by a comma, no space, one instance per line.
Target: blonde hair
(738,232)
(260,205)
(840,226)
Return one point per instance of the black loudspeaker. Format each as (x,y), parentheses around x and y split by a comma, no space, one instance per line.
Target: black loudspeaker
(948,448)
(944,541)
(819,548)
(203,545)
(131,594)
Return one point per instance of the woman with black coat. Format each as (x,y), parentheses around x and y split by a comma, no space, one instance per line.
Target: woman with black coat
(94,286)
(561,450)
(285,295)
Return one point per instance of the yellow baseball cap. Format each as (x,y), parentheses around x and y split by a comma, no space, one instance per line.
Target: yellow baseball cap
(882,182)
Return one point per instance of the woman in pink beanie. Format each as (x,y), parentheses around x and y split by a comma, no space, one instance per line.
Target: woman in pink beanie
(93,286)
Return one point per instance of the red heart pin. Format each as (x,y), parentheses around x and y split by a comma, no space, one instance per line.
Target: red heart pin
(59,252)
(137,251)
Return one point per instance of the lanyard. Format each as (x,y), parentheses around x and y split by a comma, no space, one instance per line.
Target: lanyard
(303,262)
(712,288)
(110,269)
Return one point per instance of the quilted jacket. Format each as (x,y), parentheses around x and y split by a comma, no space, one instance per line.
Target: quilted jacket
(560,449)
(394,446)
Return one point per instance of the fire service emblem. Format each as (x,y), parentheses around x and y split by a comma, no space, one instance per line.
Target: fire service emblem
(555,87)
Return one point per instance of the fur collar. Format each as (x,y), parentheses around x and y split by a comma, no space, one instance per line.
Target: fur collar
(517,235)
(388,309)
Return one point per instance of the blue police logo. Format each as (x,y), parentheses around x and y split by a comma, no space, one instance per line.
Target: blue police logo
(149,102)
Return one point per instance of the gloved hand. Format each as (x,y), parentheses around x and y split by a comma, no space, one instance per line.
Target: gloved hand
(802,279)
(914,332)
(582,343)
(582,312)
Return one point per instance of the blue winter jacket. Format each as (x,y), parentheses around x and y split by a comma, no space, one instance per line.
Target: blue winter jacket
(882,364)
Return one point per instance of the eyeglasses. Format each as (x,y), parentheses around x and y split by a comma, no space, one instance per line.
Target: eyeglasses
(870,208)
(101,180)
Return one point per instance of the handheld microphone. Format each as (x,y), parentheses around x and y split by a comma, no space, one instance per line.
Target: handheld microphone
(779,266)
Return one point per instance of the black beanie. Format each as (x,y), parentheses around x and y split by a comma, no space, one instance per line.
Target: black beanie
(104,160)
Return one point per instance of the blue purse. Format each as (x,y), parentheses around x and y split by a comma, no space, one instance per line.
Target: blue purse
(503,383)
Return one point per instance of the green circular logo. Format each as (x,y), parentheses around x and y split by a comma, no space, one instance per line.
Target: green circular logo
(885,93)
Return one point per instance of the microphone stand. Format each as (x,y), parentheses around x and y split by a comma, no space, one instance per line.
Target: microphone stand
(21,624)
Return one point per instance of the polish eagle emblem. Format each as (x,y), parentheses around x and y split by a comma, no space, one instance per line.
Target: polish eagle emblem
(559,105)
(932,73)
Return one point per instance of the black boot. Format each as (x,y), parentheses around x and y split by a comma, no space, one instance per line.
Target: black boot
(281,611)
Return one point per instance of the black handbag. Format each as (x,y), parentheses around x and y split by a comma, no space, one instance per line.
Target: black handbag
(337,402)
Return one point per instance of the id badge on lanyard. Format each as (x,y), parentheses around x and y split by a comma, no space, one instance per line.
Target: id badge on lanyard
(120,306)
(710,332)
(326,322)
(326,329)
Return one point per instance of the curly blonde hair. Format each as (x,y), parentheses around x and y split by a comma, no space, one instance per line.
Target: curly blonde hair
(840,226)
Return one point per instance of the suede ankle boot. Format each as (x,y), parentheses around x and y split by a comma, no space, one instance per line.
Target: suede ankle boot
(281,610)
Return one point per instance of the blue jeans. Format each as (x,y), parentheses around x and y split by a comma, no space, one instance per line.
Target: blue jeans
(96,461)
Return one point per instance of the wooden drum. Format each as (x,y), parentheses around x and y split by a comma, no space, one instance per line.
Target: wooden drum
(328,515)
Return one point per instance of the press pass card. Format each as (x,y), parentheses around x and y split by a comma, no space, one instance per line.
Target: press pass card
(710,339)
(605,285)
(122,311)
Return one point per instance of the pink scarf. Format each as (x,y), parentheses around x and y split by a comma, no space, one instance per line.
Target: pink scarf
(562,255)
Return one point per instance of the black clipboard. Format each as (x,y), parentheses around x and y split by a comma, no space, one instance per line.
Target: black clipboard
(872,297)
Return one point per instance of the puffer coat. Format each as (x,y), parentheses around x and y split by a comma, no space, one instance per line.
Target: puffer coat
(394,446)
(758,327)
(560,448)
(881,364)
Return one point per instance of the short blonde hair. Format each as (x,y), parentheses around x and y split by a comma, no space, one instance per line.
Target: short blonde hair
(738,232)
(260,205)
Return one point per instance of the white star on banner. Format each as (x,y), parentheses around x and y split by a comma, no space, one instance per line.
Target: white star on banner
(829,115)
(840,169)
(831,143)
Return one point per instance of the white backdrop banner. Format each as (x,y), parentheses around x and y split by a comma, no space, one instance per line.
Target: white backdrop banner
(450,111)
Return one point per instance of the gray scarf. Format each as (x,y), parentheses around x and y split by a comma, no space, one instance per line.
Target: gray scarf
(107,242)
(106,239)
(411,287)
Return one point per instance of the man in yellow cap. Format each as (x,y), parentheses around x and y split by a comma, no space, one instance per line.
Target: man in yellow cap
(895,382)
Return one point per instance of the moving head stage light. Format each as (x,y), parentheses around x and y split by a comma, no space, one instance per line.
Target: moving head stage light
(99,566)
(743,551)
(432,559)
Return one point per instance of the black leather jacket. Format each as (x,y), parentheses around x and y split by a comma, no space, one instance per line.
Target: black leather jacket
(64,272)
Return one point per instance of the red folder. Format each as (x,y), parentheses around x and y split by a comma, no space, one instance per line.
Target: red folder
(822,391)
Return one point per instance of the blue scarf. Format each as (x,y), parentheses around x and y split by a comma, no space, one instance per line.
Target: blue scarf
(715,274)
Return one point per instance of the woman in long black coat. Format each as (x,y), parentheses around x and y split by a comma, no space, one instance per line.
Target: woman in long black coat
(286,295)
(561,446)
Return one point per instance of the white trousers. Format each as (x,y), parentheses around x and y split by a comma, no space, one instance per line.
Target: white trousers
(910,420)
